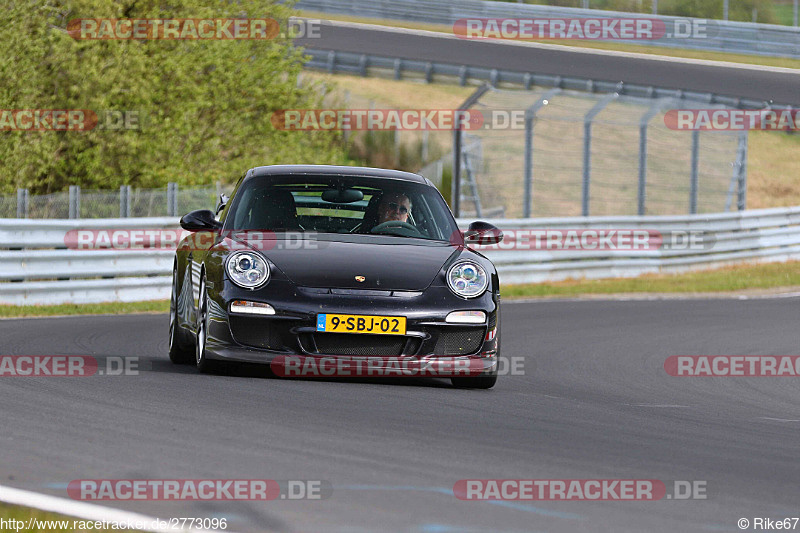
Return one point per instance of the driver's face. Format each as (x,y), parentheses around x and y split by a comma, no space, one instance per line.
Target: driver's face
(394,206)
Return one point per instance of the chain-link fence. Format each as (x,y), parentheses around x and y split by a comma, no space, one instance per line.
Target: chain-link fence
(402,149)
(126,202)
(565,153)
(537,153)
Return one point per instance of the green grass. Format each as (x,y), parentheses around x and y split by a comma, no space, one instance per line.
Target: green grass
(20,311)
(784,13)
(597,45)
(723,280)
(16,512)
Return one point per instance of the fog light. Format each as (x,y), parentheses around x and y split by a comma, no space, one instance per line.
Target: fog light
(466,317)
(251,308)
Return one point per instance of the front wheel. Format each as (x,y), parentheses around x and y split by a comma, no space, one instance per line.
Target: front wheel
(204,366)
(178,353)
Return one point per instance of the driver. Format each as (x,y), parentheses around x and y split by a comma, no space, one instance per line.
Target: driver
(394,206)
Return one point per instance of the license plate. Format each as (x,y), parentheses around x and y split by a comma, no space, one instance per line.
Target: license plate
(376,325)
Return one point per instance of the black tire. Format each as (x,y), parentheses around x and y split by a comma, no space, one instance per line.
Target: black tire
(477,382)
(204,366)
(179,354)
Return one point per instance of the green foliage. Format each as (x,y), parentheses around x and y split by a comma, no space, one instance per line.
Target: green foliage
(740,10)
(204,106)
(380,149)
(447,184)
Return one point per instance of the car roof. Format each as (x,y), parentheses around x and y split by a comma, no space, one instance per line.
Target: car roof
(334,170)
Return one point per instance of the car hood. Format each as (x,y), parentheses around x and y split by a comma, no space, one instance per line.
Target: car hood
(386,263)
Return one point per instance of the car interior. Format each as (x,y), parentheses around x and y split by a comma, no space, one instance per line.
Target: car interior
(303,207)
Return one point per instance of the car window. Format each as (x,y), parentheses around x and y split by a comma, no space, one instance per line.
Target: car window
(336,204)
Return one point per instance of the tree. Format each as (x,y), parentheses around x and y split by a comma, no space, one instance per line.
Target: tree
(203,106)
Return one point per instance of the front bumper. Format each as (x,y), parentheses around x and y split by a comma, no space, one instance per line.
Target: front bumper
(292,330)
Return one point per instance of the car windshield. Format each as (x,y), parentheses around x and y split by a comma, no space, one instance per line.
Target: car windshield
(336,204)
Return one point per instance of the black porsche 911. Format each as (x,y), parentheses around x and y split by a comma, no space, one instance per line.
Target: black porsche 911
(335,262)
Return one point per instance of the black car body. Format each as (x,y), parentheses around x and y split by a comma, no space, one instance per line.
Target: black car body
(311,231)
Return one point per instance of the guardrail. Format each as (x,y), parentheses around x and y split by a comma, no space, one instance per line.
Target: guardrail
(761,235)
(722,36)
(37,268)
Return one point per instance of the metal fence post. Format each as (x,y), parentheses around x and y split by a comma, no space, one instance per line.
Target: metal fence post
(455,186)
(530,115)
(642,191)
(124,201)
(172,199)
(169,198)
(22,203)
(643,124)
(526,206)
(74,201)
(331,61)
(587,149)
(742,197)
(695,163)
(587,162)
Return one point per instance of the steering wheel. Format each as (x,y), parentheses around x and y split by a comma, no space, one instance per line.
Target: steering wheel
(394,224)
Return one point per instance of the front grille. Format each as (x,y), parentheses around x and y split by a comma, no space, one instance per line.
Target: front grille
(348,344)
(459,340)
(264,333)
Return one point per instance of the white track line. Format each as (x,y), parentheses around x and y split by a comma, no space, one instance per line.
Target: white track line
(82,510)
(564,48)
(103,315)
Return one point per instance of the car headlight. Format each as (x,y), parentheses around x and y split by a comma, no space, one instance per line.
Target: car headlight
(467,279)
(247,269)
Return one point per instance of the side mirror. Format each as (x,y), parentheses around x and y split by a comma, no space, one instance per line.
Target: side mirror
(482,233)
(223,201)
(201,220)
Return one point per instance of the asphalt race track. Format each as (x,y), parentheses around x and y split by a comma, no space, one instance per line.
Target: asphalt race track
(594,402)
(779,85)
